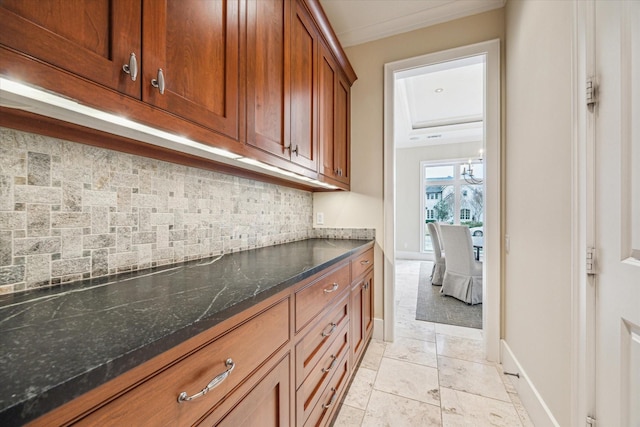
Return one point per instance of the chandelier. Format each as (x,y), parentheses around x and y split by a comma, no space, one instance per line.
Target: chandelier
(468,175)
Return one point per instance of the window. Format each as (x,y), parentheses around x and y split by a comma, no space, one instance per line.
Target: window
(446,193)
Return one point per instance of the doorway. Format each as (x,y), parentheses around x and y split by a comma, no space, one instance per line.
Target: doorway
(488,55)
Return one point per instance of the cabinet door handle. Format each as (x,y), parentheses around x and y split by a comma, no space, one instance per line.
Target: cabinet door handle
(333,399)
(333,328)
(183,397)
(132,67)
(334,288)
(365,285)
(159,82)
(295,150)
(365,262)
(332,365)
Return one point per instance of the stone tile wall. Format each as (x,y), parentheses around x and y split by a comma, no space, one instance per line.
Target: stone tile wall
(70,211)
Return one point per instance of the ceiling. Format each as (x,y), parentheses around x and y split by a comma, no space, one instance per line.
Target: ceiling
(435,104)
(360,21)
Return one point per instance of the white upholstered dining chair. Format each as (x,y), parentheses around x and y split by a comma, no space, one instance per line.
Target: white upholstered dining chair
(463,276)
(439,265)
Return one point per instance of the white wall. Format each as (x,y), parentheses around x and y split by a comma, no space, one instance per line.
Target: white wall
(537,297)
(408,232)
(363,206)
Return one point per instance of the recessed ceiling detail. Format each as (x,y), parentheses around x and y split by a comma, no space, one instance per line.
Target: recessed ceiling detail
(426,115)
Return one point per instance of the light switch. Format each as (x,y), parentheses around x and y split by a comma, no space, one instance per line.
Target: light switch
(320,218)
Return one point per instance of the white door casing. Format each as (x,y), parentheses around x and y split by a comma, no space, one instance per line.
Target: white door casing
(493,185)
(616,121)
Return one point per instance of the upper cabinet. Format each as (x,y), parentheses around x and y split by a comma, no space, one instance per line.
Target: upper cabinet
(247,76)
(303,79)
(191,60)
(282,47)
(92,39)
(267,96)
(333,129)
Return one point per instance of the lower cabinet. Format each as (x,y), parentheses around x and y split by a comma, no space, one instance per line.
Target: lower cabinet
(261,368)
(187,390)
(266,405)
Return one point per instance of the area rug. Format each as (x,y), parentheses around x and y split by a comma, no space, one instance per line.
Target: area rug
(432,306)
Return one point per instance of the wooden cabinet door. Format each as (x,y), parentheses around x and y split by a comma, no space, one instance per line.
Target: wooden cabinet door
(302,79)
(327,77)
(195,44)
(357,313)
(333,126)
(361,314)
(89,38)
(341,141)
(267,97)
(267,404)
(367,311)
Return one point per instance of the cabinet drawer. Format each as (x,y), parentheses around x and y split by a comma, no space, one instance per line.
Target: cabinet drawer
(330,397)
(265,405)
(312,299)
(361,263)
(312,347)
(308,394)
(155,401)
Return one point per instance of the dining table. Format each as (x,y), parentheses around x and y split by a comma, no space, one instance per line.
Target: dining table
(478,244)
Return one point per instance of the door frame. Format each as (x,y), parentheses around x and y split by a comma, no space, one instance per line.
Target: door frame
(583,286)
(492,277)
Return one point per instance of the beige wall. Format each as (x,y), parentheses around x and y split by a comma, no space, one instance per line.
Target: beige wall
(537,298)
(363,206)
(408,233)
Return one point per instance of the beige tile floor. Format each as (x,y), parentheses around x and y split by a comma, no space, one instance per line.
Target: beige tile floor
(431,375)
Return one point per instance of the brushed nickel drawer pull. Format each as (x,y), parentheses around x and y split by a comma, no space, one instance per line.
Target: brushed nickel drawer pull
(333,364)
(334,288)
(333,328)
(333,399)
(183,397)
(365,262)
(132,67)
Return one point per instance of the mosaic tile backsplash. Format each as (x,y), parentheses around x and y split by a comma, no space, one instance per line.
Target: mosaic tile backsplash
(70,211)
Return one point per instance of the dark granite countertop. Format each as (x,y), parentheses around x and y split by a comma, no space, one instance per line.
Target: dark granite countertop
(56,344)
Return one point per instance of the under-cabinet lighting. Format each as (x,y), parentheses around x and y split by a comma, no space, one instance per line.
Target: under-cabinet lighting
(21,90)
(20,96)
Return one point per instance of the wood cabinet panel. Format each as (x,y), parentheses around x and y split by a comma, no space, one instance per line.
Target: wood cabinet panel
(361,304)
(329,400)
(196,45)
(311,348)
(155,402)
(309,392)
(303,107)
(326,101)
(267,97)
(333,122)
(342,139)
(361,263)
(267,404)
(90,38)
(311,300)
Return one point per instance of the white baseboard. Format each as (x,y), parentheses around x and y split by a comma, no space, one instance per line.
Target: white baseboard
(414,256)
(378,329)
(537,409)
